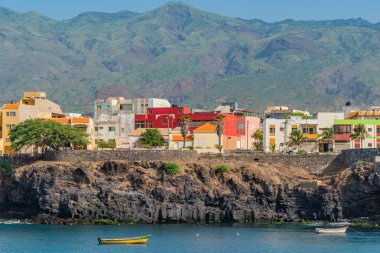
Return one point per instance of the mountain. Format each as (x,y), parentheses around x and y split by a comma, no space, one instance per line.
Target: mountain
(191,57)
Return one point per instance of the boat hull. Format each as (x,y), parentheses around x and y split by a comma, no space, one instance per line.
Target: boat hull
(333,231)
(134,240)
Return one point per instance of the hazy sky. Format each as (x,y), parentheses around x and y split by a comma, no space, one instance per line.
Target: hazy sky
(268,10)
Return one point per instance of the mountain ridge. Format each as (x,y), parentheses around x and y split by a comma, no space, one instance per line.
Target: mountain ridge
(191,57)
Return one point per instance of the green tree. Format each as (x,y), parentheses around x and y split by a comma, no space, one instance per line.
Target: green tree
(185,120)
(152,138)
(36,133)
(296,138)
(327,135)
(360,132)
(258,137)
(220,129)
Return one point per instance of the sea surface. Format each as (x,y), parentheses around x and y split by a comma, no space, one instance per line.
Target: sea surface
(230,238)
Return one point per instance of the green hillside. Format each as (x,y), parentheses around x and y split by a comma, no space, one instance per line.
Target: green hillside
(191,57)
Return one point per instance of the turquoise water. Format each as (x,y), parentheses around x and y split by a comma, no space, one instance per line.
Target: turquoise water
(183,238)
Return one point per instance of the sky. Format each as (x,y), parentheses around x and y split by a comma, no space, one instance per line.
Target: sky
(267,10)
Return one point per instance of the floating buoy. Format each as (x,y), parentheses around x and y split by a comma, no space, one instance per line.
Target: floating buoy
(237,234)
(197,234)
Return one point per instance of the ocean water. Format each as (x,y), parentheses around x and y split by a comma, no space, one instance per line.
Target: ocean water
(234,238)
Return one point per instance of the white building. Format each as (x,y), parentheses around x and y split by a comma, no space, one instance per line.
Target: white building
(114,128)
(276,132)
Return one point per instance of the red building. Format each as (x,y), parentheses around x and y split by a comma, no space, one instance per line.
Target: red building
(170,117)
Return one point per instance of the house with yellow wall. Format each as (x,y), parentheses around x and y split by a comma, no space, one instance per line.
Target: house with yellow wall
(206,139)
(33,105)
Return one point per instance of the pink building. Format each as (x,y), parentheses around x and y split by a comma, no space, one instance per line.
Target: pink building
(246,127)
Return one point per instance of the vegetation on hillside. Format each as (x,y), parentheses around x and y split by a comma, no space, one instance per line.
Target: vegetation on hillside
(190,56)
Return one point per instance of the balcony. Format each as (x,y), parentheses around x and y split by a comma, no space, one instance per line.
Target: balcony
(311,136)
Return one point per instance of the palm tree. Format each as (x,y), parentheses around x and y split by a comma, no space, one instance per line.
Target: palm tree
(327,135)
(296,138)
(185,119)
(258,137)
(360,132)
(220,129)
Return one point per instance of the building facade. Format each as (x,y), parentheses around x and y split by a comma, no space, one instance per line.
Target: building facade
(276,132)
(343,128)
(33,105)
(114,128)
(116,105)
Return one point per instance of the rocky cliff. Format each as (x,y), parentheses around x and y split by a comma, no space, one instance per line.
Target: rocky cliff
(54,192)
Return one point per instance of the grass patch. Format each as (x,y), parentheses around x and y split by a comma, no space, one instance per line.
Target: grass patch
(172,169)
(106,222)
(6,165)
(221,169)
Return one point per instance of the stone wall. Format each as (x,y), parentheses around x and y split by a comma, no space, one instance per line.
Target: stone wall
(351,156)
(129,155)
(313,163)
(21,159)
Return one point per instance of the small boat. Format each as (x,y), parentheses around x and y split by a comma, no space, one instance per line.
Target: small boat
(132,240)
(332,231)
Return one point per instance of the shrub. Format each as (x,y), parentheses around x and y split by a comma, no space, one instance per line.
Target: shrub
(359,163)
(222,169)
(301,152)
(172,169)
(6,165)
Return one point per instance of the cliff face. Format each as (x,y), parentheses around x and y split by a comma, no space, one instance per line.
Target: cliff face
(142,192)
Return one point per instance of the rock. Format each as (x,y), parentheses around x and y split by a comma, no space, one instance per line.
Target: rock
(62,193)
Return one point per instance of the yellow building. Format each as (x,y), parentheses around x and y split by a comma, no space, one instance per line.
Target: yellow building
(206,139)
(32,106)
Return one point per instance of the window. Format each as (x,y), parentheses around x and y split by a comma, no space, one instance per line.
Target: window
(378,130)
(370,129)
(272,130)
(112,129)
(370,145)
(11,114)
(96,129)
(165,122)
(10,126)
(240,126)
(150,112)
(180,111)
(101,128)
(282,129)
(99,106)
(342,129)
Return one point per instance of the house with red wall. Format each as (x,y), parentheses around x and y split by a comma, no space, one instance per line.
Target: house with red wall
(170,117)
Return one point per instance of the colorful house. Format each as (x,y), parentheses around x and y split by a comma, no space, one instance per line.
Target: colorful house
(176,139)
(205,139)
(343,128)
(33,105)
